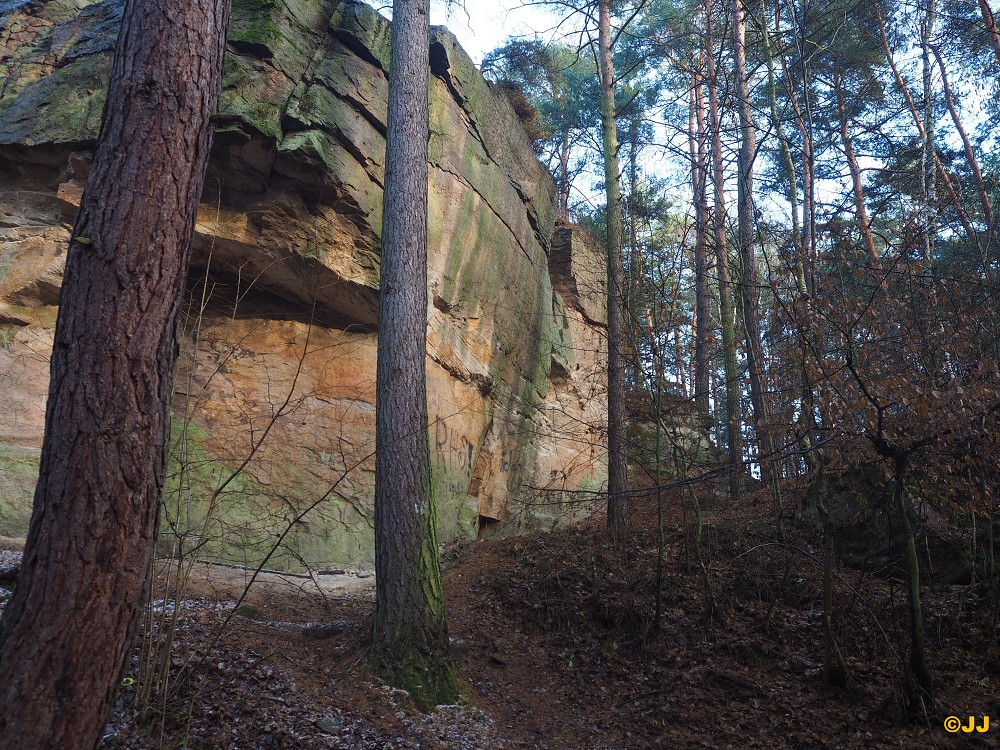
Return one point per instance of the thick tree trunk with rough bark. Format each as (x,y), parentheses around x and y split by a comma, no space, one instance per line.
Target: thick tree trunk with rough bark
(618,499)
(410,640)
(67,631)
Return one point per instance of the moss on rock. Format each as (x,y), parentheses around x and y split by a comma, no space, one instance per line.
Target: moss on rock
(18,475)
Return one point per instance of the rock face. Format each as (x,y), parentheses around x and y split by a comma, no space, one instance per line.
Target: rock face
(274,415)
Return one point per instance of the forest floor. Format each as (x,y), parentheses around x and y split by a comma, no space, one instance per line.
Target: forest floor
(558,649)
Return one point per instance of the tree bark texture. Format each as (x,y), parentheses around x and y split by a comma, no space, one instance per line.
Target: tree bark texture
(410,639)
(618,499)
(67,631)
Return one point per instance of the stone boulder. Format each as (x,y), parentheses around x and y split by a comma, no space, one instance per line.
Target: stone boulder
(274,399)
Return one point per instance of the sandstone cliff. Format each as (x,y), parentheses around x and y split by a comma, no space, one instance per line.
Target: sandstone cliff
(278,348)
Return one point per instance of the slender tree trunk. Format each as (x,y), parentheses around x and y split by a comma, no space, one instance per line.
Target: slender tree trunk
(918,657)
(804,121)
(564,177)
(658,367)
(834,667)
(734,442)
(633,198)
(67,631)
(633,373)
(970,154)
(798,264)
(679,356)
(410,639)
(718,399)
(745,243)
(927,182)
(991,26)
(618,499)
(703,327)
(806,420)
(852,164)
(953,197)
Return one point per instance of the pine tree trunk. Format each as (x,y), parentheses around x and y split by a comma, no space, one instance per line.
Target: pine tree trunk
(991,26)
(727,313)
(800,233)
(861,212)
(564,177)
(618,499)
(410,639)
(799,263)
(927,167)
(970,154)
(804,123)
(703,318)
(67,631)
(745,242)
(939,170)
(633,376)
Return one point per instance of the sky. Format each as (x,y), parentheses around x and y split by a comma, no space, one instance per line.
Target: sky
(484,24)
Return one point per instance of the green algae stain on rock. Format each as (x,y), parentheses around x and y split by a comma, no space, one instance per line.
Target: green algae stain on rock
(205,505)
(18,476)
(234,518)
(63,107)
(252,27)
(367,33)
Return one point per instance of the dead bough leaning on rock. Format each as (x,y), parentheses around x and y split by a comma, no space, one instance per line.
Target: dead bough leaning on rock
(282,310)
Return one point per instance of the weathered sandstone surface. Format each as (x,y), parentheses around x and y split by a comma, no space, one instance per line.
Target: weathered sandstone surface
(274,412)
